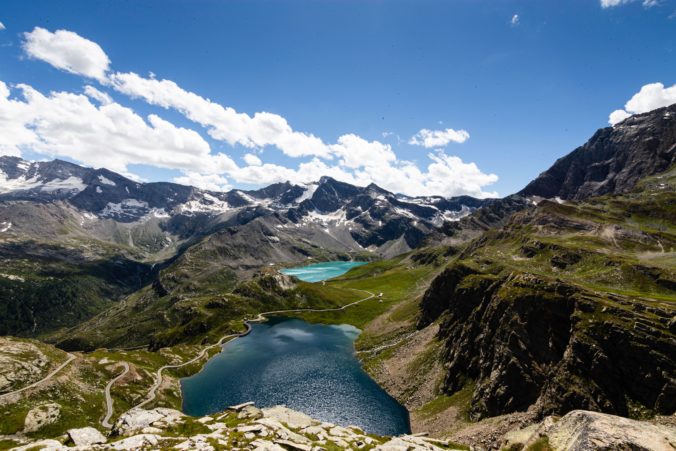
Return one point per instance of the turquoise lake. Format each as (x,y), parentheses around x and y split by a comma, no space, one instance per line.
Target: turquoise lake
(311,368)
(321,271)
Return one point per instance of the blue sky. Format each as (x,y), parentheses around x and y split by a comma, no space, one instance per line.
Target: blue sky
(527,81)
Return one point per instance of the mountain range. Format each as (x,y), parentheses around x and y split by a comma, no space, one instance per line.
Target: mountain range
(497,312)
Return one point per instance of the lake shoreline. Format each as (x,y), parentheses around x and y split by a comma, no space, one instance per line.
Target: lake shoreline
(320,388)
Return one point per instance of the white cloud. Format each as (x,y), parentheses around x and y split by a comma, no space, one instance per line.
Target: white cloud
(100,96)
(222,123)
(613,3)
(252,159)
(515,20)
(67,51)
(111,135)
(438,138)
(68,125)
(212,182)
(617,116)
(2,26)
(356,152)
(650,97)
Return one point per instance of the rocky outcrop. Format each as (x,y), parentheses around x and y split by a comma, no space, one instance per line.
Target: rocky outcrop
(137,420)
(527,340)
(86,436)
(613,160)
(41,416)
(243,427)
(21,362)
(590,431)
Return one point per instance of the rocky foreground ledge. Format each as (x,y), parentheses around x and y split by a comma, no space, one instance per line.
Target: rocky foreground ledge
(245,427)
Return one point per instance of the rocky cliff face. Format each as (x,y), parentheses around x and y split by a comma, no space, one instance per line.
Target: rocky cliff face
(613,160)
(568,306)
(527,341)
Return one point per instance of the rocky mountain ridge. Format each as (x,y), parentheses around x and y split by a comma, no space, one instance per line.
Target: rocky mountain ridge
(362,217)
(568,306)
(613,160)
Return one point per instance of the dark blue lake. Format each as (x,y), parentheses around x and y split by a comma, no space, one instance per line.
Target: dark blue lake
(321,271)
(311,368)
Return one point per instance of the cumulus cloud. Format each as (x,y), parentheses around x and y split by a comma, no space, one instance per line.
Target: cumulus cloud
(67,51)
(69,125)
(438,138)
(222,123)
(650,97)
(355,152)
(2,26)
(515,20)
(100,96)
(108,134)
(252,159)
(212,182)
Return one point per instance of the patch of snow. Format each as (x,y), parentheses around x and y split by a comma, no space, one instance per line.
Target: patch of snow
(308,193)
(106,181)
(99,190)
(128,207)
(23,165)
(247,198)
(87,216)
(404,212)
(160,213)
(336,218)
(559,200)
(5,226)
(207,204)
(72,183)
(457,215)
(451,215)
(8,185)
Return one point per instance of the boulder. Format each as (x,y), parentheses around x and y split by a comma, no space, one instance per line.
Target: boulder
(40,416)
(287,416)
(582,430)
(86,436)
(250,412)
(138,419)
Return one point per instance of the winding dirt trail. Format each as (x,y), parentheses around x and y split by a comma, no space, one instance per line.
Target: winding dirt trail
(152,394)
(109,401)
(70,358)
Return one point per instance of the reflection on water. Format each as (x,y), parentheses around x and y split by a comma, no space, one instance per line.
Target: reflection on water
(307,367)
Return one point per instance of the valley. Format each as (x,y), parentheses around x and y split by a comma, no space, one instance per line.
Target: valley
(494,323)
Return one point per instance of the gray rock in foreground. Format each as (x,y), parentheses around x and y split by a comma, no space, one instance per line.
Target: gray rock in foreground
(581,430)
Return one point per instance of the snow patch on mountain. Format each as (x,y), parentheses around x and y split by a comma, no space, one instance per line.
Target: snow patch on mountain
(106,181)
(126,208)
(72,184)
(336,218)
(206,204)
(7,185)
(307,194)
